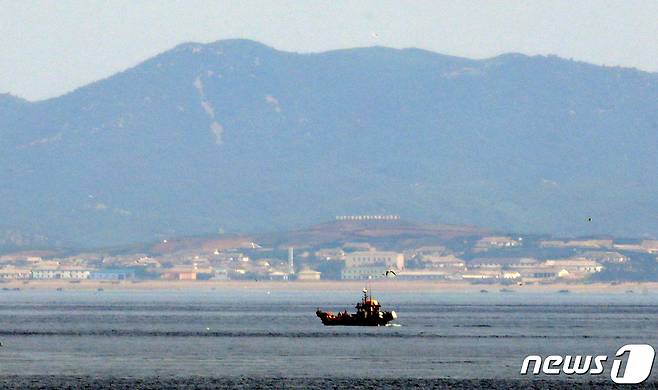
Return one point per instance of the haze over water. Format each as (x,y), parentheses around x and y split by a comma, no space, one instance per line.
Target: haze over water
(258,334)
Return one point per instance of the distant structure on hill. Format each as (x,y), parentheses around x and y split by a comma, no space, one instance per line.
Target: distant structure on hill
(367,217)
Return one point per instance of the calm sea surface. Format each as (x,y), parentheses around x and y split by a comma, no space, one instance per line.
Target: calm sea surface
(249,333)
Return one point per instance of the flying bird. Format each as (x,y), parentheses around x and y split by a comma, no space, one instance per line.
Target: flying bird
(389,272)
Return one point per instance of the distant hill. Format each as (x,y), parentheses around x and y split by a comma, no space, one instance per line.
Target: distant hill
(395,234)
(235,135)
(382,234)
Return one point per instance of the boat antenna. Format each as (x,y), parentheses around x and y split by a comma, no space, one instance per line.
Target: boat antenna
(369,287)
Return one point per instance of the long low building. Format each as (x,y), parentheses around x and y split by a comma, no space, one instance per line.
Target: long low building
(483,274)
(47,274)
(15,273)
(363,273)
(64,273)
(443,261)
(575,264)
(422,274)
(113,274)
(374,258)
(308,274)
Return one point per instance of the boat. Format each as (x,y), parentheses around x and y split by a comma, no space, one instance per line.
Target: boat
(368,313)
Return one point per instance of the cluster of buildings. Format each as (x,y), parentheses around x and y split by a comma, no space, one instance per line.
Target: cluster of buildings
(10,272)
(21,266)
(188,265)
(487,260)
(436,264)
(483,262)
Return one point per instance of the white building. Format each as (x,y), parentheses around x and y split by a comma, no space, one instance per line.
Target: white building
(49,273)
(43,274)
(374,258)
(575,264)
(14,273)
(308,274)
(220,274)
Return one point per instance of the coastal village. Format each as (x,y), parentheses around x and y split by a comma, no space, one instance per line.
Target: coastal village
(350,248)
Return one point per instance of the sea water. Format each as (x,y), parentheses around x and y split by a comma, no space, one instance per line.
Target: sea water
(245,334)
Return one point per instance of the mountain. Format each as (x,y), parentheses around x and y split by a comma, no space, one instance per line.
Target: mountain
(383,234)
(238,136)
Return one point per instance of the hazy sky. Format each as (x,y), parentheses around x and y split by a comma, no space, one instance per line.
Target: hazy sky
(50,47)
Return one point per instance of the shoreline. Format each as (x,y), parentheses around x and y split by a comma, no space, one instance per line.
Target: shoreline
(330,285)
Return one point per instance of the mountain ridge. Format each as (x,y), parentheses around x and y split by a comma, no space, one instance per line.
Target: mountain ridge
(256,44)
(239,136)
